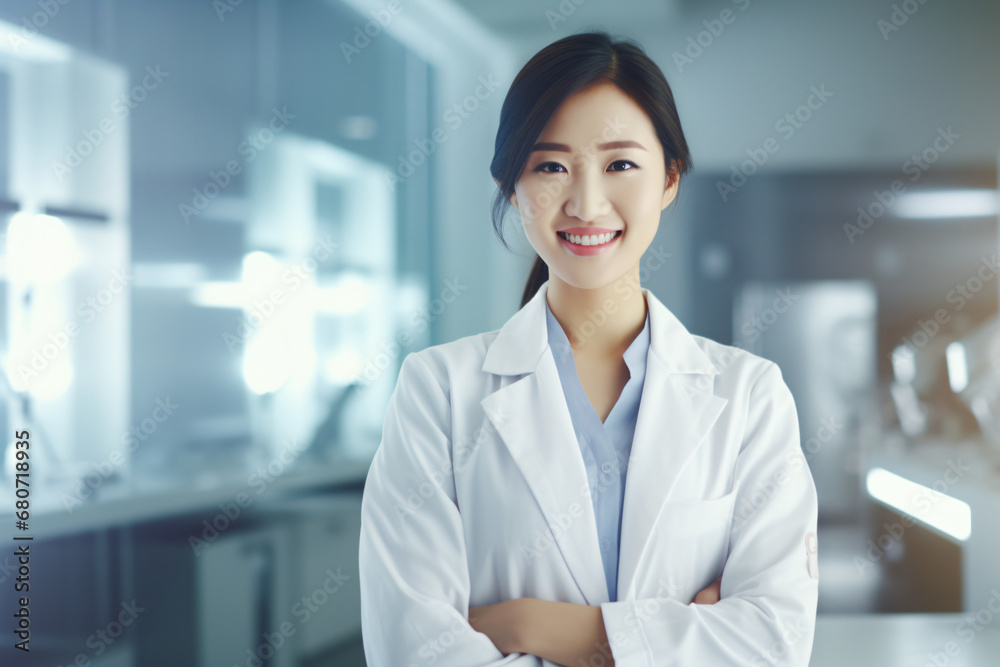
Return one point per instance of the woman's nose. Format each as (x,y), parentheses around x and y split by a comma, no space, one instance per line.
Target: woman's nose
(587,199)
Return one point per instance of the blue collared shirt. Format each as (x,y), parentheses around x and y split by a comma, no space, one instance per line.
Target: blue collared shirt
(605,446)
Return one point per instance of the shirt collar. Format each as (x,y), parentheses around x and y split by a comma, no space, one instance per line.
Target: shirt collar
(635,355)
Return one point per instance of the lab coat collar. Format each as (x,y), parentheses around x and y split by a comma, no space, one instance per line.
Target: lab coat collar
(530,414)
(519,346)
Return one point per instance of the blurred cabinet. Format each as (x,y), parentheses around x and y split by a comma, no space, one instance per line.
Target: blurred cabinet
(921,569)
(224,605)
(75,593)
(279,588)
(325,585)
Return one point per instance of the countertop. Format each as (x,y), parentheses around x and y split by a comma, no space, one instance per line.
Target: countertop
(141,499)
(908,640)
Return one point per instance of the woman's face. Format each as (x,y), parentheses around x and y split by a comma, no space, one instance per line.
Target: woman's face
(597,168)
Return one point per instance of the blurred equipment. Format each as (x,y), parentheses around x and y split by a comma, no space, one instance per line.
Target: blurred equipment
(64,197)
(925,406)
(973,364)
(322,240)
(822,336)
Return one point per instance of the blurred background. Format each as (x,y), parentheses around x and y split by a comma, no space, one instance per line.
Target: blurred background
(227,222)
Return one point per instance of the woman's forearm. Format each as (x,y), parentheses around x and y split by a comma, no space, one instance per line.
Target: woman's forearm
(565,633)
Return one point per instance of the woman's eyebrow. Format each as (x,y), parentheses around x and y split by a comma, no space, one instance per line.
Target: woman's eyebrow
(611,145)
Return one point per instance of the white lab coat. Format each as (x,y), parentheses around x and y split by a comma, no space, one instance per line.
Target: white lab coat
(478,494)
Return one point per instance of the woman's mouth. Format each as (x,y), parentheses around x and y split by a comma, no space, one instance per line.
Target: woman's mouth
(592,244)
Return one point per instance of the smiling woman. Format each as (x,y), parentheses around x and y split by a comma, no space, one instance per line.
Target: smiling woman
(593,124)
(620,184)
(529,542)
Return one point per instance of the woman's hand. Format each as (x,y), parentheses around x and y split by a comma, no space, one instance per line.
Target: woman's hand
(500,622)
(503,622)
(711,594)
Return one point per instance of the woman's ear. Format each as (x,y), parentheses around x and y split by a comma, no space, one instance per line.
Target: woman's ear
(673,180)
(513,195)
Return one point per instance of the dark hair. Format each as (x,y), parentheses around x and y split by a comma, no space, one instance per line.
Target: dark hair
(563,68)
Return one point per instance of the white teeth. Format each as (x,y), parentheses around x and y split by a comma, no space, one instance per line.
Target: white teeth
(593,239)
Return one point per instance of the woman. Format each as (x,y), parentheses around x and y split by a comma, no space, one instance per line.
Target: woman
(590,484)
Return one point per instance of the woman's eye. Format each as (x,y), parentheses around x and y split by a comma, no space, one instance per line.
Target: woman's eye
(629,162)
(543,168)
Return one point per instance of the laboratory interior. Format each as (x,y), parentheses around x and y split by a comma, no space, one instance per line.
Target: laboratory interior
(228,222)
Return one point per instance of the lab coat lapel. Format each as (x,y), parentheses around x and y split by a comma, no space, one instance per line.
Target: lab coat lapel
(532,419)
(676,412)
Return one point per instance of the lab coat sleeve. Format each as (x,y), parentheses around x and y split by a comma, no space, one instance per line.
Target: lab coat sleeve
(767,611)
(413,567)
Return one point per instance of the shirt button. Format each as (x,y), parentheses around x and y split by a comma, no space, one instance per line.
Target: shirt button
(605,544)
(607,466)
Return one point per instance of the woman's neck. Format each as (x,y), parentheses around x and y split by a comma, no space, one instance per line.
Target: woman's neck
(600,322)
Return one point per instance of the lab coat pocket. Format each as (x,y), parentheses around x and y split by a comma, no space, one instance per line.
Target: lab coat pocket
(690,545)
